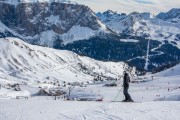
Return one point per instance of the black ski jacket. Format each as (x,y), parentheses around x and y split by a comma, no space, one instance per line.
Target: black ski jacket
(126,81)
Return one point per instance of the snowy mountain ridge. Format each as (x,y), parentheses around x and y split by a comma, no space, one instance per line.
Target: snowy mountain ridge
(172,16)
(21,61)
(142,24)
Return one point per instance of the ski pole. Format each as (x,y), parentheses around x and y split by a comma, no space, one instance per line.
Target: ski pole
(117,95)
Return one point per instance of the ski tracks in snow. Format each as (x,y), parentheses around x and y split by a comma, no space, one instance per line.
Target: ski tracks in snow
(100,113)
(107,112)
(155,49)
(58,110)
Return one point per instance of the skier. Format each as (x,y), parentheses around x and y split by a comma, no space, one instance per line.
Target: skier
(126,87)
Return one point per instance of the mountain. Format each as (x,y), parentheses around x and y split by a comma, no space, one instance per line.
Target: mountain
(21,61)
(43,23)
(142,24)
(139,39)
(172,15)
(109,15)
(136,29)
(111,19)
(144,41)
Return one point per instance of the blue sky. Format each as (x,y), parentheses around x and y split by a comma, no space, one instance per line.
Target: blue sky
(127,6)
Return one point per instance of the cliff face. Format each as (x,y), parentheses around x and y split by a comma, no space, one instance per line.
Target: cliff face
(34,20)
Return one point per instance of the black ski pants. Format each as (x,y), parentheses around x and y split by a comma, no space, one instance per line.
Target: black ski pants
(126,94)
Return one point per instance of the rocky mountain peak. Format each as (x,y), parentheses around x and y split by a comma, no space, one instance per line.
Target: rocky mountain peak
(42,22)
(145,15)
(109,14)
(172,15)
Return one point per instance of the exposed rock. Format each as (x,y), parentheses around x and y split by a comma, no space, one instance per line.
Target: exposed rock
(34,21)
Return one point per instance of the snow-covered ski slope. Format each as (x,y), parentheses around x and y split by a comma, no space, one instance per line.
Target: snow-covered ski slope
(164,108)
(55,110)
(153,101)
(171,72)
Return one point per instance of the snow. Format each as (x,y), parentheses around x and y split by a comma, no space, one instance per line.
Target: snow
(10,94)
(171,16)
(154,101)
(147,57)
(30,66)
(139,24)
(4,28)
(53,20)
(129,40)
(171,72)
(157,29)
(47,38)
(77,33)
(103,26)
(22,61)
(47,108)
(56,110)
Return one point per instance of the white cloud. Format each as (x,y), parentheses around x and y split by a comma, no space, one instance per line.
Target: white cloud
(127,6)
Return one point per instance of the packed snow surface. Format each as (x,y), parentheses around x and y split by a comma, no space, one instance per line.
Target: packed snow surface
(171,72)
(78,33)
(56,110)
(166,106)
